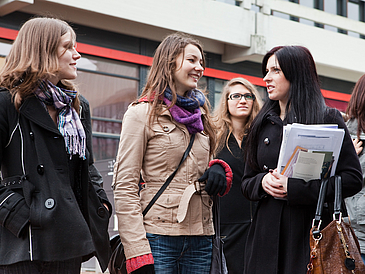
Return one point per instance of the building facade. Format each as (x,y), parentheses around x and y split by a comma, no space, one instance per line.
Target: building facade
(117,39)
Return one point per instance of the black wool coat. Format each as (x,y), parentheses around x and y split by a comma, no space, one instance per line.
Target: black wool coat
(40,216)
(236,212)
(278,240)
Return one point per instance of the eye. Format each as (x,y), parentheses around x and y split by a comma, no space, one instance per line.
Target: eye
(277,70)
(235,96)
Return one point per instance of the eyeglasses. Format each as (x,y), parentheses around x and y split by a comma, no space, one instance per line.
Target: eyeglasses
(238,96)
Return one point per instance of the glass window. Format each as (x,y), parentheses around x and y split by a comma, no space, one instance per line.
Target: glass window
(4,48)
(109,86)
(330,6)
(353,12)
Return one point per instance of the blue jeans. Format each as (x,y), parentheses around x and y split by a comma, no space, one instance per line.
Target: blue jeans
(363,257)
(181,254)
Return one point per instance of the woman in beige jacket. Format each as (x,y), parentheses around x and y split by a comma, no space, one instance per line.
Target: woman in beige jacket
(175,236)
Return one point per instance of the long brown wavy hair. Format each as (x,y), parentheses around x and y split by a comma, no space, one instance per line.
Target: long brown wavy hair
(33,57)
(222,117)
(356,106)
(161,74)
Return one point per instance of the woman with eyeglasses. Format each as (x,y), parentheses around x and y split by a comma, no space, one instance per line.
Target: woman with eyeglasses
(278,240)
(239,104)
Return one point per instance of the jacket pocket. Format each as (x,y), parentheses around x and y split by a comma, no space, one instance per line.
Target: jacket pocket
(165,208)
(166,135)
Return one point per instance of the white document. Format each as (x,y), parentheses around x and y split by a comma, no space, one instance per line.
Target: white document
(308,166)
(311,137)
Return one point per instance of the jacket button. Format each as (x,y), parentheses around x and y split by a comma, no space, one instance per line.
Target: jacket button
(101,212)
(266,141)
(40,169)
(166,128)
(31,135)
(265,168)
(49,203)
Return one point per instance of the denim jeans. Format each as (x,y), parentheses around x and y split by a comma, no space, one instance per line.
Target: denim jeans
(181,254)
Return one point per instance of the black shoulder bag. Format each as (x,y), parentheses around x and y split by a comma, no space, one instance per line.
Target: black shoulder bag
(117,262)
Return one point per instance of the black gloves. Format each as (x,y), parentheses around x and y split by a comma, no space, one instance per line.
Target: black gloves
(216,180)
(146,269)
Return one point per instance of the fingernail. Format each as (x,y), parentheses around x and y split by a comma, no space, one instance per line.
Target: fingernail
(271,170)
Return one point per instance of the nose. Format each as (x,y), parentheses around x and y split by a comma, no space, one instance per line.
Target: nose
(199,67)
(76,55)
(244,99)
(266,77)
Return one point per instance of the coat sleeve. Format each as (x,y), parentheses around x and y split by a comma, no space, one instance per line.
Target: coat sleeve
(348,167)
(14,213)
(94,175)
(251,184)
(127,168)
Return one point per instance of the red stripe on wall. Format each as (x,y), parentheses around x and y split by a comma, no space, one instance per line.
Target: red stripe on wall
(114,54)
(10,34)
(225,75)
(336,95)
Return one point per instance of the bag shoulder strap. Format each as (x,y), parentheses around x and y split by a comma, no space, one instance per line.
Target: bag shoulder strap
(322,197)
(169,179)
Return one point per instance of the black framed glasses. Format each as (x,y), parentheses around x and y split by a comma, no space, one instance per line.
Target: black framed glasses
(238,96)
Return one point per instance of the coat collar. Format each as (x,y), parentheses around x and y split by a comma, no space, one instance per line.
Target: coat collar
(33,110)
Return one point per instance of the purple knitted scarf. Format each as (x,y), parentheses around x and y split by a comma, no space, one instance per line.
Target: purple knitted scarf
(192,120)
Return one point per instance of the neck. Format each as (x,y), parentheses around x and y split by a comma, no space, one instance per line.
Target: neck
(282,109)
(238,125)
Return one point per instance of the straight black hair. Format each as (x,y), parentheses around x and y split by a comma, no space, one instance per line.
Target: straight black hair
(305,104)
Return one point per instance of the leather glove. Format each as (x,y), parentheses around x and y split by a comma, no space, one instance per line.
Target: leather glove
(146,269)
(216,180)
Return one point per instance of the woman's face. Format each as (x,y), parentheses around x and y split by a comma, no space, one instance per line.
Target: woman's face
(276,83)
(67,56)
(241,108)
(188,69)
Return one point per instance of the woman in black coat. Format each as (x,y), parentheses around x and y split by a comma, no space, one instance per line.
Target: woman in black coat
(278,240)
(54,212)
(239,104)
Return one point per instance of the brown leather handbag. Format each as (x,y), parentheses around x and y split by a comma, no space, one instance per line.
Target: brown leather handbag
(334,249)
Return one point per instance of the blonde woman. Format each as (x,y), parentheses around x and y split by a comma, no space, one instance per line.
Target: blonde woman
(54,212)
(238,106)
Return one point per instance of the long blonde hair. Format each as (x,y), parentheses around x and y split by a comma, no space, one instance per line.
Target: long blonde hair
(161,74)
(33,57)
(222,117)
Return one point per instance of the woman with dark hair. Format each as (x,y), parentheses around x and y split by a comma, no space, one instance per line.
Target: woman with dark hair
(278,240)
(54,212)
(175,236)
(356,125)
(239,104)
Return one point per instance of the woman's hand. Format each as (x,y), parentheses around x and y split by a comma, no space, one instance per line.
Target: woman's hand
(275,184)
(358,145)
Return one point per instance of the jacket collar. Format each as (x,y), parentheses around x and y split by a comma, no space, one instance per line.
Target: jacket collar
(33,110)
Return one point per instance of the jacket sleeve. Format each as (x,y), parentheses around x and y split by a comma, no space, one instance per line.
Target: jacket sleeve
(348,167)
(127,168)
(251,184)
(94,175)
(14,213)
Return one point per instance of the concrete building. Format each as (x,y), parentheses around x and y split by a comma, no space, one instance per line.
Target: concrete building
(117,39)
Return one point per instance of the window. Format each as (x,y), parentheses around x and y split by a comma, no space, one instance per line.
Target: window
(109,86)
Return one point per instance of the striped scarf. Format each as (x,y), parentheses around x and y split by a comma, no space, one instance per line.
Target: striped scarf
(68,121)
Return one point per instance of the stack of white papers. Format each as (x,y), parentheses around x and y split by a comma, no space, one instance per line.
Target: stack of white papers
(308,151)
